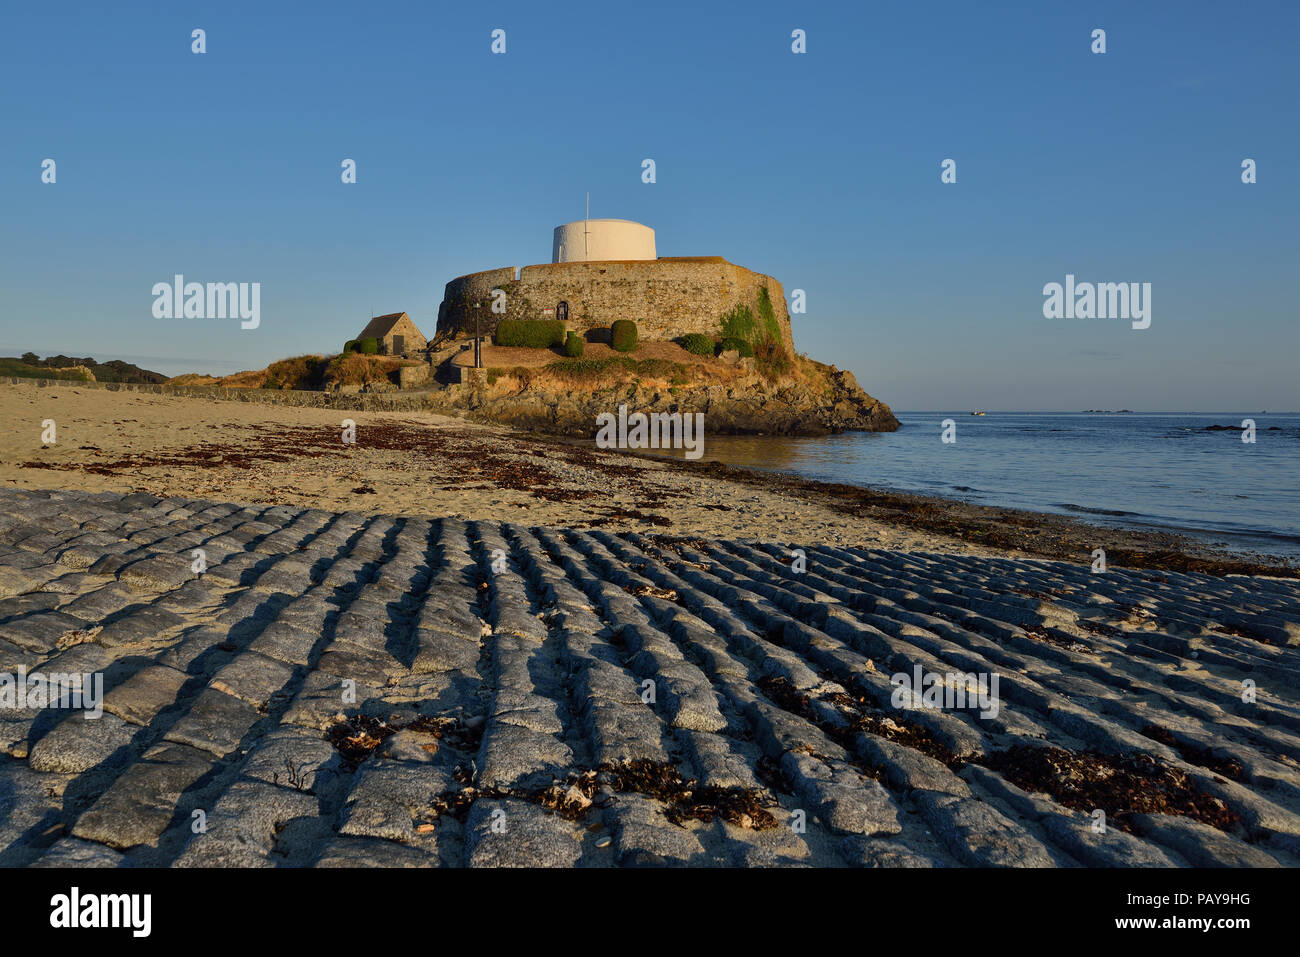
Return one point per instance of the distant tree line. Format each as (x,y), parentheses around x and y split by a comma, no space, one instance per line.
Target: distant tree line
(115,370)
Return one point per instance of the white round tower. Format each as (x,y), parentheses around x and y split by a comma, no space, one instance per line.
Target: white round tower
(602,240)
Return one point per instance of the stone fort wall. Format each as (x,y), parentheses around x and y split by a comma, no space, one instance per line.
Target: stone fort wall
(665,297)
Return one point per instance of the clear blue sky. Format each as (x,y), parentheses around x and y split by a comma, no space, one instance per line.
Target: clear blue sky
(821,169)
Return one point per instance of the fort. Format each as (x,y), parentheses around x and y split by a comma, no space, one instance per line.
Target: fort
(739,365)
(607,269)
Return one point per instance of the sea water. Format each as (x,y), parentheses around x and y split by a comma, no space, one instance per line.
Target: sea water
(1138,470)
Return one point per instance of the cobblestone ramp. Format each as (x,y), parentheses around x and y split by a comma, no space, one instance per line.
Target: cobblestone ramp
(347,689)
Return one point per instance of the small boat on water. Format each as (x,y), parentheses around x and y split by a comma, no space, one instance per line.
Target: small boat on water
(979,413)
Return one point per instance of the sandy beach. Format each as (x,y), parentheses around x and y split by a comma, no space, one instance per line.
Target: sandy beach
(401,464)
(433,466)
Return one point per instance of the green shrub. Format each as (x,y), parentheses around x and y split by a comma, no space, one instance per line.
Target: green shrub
(696,343)
(771,360)
(574,346)
(349,346)
(368,346)
(739,323)
(530,333)
(740,345)
(765,312)
(622,335)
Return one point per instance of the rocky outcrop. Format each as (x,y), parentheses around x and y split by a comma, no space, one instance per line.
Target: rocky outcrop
(749,407)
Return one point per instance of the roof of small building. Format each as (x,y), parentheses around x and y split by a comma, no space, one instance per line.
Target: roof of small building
(380,326)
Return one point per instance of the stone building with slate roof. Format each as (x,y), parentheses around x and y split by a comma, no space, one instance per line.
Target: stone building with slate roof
(396,333)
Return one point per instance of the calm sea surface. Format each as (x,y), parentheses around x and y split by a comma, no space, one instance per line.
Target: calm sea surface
(1161,470)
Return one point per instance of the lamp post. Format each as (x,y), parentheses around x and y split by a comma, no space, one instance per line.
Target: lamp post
(478,350)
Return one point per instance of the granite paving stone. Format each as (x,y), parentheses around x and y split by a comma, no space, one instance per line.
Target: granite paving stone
(354,690)
(147,692)
(143,801)
(215,722)
(79,743)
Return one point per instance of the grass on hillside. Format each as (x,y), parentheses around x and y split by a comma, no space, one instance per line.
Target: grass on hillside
(771,360)
(618,370)
(299,372)
(357,369)
(18,368)
(590,372)
(587,371)
(310,373)
(31,366)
